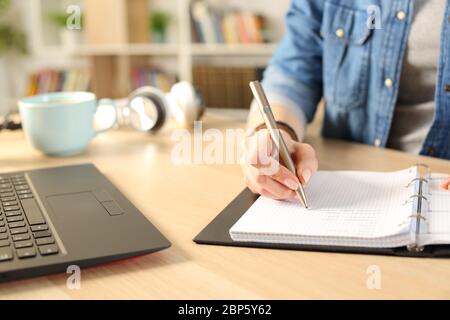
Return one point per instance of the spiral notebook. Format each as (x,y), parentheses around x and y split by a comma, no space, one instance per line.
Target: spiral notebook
(355,209)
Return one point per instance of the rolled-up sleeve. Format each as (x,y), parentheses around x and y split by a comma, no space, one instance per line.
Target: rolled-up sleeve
(294,75)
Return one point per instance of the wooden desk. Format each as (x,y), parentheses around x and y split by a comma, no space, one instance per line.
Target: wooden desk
(181,200)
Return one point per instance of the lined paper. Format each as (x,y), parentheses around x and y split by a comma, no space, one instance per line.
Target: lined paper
(354,205)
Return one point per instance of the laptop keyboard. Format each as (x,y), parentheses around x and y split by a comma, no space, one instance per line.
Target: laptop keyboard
(24,233)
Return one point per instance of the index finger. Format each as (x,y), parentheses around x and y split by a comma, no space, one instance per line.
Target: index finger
(446,184)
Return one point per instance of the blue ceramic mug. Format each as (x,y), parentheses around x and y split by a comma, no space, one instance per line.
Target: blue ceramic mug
(60,124)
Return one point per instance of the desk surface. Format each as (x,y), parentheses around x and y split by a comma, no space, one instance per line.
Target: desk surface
(180,200)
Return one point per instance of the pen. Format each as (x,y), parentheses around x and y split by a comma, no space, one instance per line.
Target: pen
(269,119)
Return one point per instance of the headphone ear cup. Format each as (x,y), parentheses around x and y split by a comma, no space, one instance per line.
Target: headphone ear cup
(151,98)
(161,113)
(186,103)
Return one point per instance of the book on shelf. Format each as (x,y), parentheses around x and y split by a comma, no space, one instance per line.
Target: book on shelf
(225,87)
(50,80)
(217,26)
(146,76)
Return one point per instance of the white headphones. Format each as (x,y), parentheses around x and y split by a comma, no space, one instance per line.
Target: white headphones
(150,107)
(147,108)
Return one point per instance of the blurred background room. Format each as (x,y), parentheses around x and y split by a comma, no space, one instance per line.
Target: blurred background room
(111,47)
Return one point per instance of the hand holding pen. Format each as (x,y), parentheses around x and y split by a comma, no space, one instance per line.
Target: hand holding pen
(279,184)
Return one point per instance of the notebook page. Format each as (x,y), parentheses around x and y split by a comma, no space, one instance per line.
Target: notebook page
(351,204)
(438,213)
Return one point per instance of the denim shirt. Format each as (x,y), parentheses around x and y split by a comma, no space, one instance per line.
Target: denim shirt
(329,50)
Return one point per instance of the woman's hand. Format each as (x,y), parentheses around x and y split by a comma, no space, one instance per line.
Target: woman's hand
(265,174)
(446,184)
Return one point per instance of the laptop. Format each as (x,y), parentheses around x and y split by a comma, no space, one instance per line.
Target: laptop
(54,218)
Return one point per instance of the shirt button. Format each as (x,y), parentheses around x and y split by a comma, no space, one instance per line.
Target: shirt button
(377,142)
(401,15)
(388,82)
(431,151)
(340,33)
(447,88)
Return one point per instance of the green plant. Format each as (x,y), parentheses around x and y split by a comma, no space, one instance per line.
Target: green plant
(10,37)
(159,21)
(4,5)
(59,19)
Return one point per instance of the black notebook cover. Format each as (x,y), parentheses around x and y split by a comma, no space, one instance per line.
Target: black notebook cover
(217,233)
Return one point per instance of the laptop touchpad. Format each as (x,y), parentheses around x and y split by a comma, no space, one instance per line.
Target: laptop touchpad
(76,206)
(81,218)
(84,203)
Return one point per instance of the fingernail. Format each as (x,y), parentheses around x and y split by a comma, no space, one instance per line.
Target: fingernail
(291,184)
(306,174)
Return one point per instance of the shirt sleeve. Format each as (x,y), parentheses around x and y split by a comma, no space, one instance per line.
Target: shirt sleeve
(294,75)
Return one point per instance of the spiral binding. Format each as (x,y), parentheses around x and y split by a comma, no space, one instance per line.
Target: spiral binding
(415,247)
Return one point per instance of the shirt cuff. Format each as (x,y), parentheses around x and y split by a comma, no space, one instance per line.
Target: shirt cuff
(283,110)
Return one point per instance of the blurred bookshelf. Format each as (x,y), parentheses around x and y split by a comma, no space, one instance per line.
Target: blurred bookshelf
(225,87)
(150,76)
(54,80)
(116,44)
